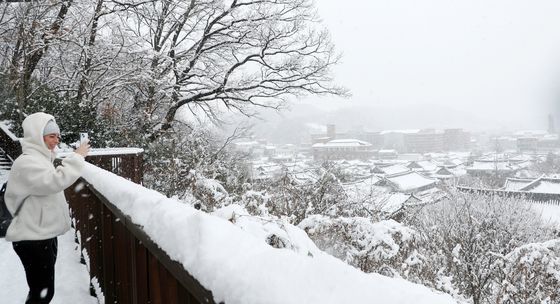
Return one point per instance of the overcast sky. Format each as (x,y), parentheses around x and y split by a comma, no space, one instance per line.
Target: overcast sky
(496,61)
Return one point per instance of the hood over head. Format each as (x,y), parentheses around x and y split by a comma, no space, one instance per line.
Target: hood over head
(33,127)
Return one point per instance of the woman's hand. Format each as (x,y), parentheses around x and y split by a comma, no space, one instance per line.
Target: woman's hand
(83,149)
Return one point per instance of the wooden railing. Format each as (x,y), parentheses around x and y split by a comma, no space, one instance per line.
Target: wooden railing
(541,198)
(125,265)
(128,266)
(9,143)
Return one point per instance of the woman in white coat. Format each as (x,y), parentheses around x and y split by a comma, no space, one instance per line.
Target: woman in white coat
(44,215)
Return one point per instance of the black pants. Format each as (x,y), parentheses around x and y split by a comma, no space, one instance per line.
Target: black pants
(38,259)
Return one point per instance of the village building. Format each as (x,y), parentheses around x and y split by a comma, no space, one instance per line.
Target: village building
(342,149)
(426,140)
(408,182)
(387,154)
(456,140)
(516,184)
(389,169)
(423,166)
(543,185)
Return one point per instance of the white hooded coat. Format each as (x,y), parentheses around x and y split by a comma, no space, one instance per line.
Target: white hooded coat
(34,178)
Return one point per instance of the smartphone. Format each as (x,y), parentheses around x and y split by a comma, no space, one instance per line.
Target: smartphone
(83,137)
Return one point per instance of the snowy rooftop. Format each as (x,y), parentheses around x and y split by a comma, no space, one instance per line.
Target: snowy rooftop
(543,185)
(393,169)
(490,166)
(410,181)
(343,143)
(241,268)
(515,184)
(525,133)
(423,165)
(246,143)
(395,201)
(409,131)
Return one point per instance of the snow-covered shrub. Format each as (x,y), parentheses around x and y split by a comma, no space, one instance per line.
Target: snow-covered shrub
(209,192)
(187,159)
(385,247)
(531,274)
(276,232)
(463,236)
(255,202)
(295,200)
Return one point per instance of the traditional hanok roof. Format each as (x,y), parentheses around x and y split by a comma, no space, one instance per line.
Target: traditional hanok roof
(521,158)
(342,143)
(514,184)
(543,185)
(409,182)
(389,170)
(424,165)
(444,171)
(450,163)
(409,131)
(365,187)
(395,201)
(488,166)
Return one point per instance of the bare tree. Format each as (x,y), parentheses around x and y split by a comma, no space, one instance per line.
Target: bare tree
(227,54)
(35,26)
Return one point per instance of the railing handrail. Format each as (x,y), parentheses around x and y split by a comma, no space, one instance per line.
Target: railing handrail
(9,143)
(8,132)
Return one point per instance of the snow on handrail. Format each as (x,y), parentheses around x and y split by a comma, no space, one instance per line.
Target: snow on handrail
(6,129)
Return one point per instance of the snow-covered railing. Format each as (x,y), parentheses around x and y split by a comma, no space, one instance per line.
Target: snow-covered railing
(9,142)
(125,265)
(143,247)
(125,162)
(532,197)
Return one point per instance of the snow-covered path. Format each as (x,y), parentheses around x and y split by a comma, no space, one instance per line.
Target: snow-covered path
(72,279)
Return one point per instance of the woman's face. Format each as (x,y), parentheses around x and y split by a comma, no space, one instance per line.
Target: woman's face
(51,140)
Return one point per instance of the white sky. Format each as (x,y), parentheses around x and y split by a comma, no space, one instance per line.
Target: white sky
(498,60)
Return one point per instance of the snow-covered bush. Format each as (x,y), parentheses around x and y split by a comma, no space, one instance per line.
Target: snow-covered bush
(191,159)
(531,274)
(276,232)
(385,247)
(463,237)
(295,200)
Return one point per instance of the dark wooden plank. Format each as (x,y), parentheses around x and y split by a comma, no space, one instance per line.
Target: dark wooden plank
(108,283)
(154,280)
(168,286)
(141,277)
(122,283)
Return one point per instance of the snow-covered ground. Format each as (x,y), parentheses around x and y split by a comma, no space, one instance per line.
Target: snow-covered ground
(72,278)
(3,176)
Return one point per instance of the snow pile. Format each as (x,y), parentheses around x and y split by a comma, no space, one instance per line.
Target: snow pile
(240,268)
